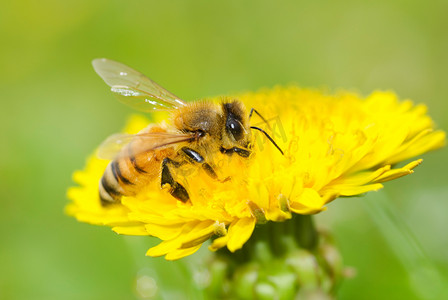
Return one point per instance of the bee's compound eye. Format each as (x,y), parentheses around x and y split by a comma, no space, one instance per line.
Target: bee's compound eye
(235,128)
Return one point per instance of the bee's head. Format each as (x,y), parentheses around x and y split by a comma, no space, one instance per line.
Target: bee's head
(236,129)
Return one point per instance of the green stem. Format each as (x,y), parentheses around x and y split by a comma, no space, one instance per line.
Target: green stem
(306,233)
(281,260)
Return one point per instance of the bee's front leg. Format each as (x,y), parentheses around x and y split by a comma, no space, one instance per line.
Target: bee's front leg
(176,189)
(194,156)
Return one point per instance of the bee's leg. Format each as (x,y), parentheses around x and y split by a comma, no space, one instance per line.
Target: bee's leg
(192,155)
(241,152)
(209,170)
(197,158)
(176,190)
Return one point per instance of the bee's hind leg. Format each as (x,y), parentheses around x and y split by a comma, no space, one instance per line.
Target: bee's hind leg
(176,189)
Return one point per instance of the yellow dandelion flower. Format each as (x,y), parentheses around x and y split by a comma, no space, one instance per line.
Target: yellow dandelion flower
(334,145)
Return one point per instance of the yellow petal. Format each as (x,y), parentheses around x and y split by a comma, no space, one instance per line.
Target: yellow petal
(239,233)
(177,254)
(397,173)
(358,190)
(163,248)
(192,234)
(164,232)
(431,141)
(130,230)
(219,243)
(205,228)
(310,202)
(360,178)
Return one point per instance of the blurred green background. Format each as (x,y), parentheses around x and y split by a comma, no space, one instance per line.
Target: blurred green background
(55,110)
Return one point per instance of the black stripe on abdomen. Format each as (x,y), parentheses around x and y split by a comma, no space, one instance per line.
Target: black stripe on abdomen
(135,165)
(117,173)
(108,189)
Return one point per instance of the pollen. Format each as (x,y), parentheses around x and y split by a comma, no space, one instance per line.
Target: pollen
(334,145)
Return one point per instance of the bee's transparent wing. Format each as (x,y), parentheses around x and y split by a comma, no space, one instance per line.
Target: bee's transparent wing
(115,145)
(133,88)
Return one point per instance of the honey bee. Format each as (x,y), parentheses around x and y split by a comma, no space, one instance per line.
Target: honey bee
(199,130)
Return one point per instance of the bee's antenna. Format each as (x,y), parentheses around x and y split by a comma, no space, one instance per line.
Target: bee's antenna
(252,110)
(267,135)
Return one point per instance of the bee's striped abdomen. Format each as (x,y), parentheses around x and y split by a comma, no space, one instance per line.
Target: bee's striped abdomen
(131,172)
(127,175)
(110,187)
